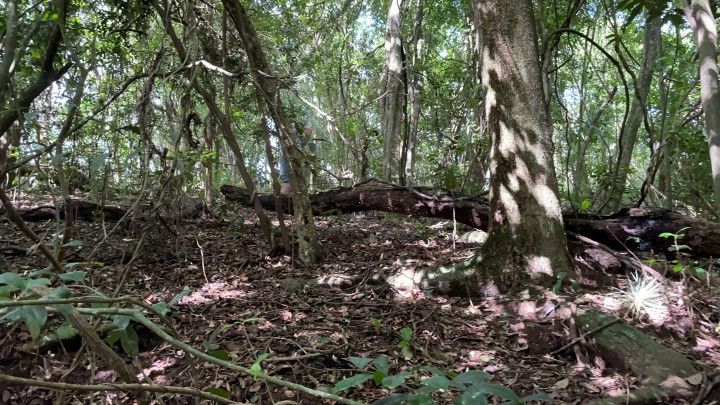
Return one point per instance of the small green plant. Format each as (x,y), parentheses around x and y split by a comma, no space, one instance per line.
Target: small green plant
(376,369)
(404,344)
(678,264)
(471,387)
(676,247)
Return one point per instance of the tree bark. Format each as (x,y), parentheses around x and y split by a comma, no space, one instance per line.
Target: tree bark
(702,22)
(526,236)
(392,91)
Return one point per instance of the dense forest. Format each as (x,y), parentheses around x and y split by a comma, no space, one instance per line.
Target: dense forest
(389,202)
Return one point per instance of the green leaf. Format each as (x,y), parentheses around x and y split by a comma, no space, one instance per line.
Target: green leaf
(438,382)
(221,392)
(350,382)
(221,354)
(666,235)
(406,352)
(6,291)
(471,397)
(406,334)
(121,321)
(76,276)
(420,399)
(469,378)
(65,332)
(34,317)
(113,336)
(256,368)
(161,308)
(129,341)
(392,399)
(74,243)
(381,364)
(359,362)
(14,280)
(585,204)
(494,389)
(37,282)
(394,381)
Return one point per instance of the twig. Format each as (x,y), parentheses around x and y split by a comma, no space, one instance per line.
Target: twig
(583,336)
(202,260)
(116,387)
(704,391)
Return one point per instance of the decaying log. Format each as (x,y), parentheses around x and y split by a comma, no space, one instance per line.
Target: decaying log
(634,228)
(662,372)
(88,211)
(85,210)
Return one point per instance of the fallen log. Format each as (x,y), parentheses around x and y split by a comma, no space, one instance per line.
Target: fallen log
(661,371)
(634,228)
(89,211)
(85,210)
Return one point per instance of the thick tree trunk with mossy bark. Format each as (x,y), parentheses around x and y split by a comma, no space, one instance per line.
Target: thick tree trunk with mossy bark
(526,237)
(268,87)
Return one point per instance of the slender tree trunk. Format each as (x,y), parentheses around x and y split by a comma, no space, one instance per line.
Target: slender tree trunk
(310,250)
(392,91)
(481,153)
(223,121)
(702,22)
(526,237)
(414,92)
(651,54)
(209,138)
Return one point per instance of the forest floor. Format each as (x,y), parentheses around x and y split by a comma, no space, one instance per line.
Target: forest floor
(243,303)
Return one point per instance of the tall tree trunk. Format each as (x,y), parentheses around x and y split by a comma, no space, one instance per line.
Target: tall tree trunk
(392,100)
(207,162)
(414,90)
(702,22)
(481,152)
(309,248)
(526,237)
(651,54)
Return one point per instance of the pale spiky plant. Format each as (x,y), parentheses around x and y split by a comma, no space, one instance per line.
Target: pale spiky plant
(645,296)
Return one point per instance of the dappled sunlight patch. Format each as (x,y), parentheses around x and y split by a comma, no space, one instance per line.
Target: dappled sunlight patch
(510,210)
(158,366)
(210,292)
(612,385)
(335,279)
(527,310)
(706,342)
(480,358)
(539,265)
(547,199)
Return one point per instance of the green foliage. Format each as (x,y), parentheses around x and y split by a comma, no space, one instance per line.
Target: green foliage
(471,387)
(404,344)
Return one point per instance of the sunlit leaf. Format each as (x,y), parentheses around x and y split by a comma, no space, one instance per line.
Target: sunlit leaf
(350,382)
